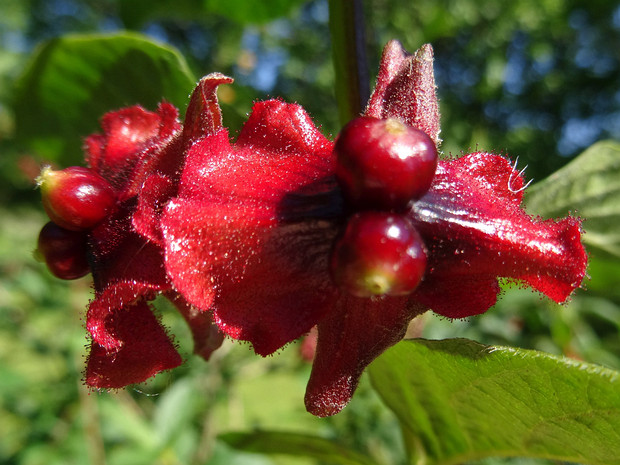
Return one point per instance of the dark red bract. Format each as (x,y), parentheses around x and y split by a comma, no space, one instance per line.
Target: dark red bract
(238,235)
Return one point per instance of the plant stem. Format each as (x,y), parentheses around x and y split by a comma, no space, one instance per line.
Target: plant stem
(346,23)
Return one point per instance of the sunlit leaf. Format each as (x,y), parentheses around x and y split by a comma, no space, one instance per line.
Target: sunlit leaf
(459,401)
(73,80)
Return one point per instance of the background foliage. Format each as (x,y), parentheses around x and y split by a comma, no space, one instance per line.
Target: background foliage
(535,78)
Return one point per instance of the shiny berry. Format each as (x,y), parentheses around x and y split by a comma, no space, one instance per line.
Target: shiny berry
(76,198)
(379,253)
(64,251)
(384,163)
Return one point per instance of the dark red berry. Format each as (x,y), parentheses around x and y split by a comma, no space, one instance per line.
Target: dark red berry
(379,253)
(64,251)
(384,163)
(76,198)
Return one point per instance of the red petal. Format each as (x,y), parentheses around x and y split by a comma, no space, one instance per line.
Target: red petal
(280,130)
(155,192)
(459,297)
(167,156)
(127,134)
(119,254)
(406,89)
(494,173)
(168,120)
(279,151)
(115,299)
(241,236)
(126,268)
(351,337)
(565,266)
(476,231)
(267,285)
(145,350)
(206,334)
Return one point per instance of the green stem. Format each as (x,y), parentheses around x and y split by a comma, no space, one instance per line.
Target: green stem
(346,24)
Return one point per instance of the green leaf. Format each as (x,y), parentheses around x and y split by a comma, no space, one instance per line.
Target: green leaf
(459,401)
(174,411)
(73,80)
(603,274)
(590,186)
(296,444)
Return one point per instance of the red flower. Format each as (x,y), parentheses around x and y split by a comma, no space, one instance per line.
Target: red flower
(250,231)
(141,154)
(240,234)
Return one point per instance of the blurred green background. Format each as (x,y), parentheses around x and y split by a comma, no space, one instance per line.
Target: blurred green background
(537,79)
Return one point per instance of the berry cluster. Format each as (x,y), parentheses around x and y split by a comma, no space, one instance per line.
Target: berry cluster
(76,199)
(382,165)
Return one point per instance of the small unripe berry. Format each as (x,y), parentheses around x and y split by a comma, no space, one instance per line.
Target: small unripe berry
(379,253)
(63,251)
(384,163)
(76,198)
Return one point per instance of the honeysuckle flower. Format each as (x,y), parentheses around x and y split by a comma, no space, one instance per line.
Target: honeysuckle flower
(141,152)
(238,235)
